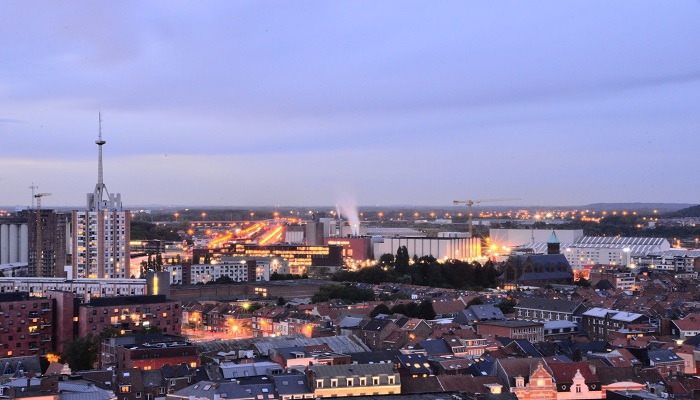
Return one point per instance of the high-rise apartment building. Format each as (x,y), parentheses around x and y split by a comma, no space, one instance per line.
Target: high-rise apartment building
(101,232)
(47,243)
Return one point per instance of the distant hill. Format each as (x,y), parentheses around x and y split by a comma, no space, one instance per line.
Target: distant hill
(662,208)
(693,211)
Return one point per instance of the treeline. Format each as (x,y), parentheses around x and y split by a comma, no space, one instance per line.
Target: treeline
(425,271)
(286,277)
(142,230)
(422,310)
(347,293)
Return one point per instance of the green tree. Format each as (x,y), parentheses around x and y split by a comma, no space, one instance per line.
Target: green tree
(426,310)
(401,260)
(380,309)
(386,259)
(475,302)
(158,262)
(281,301)
(507,306)
(81,353)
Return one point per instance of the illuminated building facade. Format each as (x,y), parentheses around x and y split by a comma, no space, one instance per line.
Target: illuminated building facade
(459,248)
(239,269)
(80,287)
(101,233)
(129,314)
(298,257)
(354,248)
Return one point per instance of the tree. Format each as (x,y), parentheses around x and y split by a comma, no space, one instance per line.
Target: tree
(475,302)
(401,260)
(158,262)
(583,282)
(425,310)
(81,353)
(507,306)
(281,301)
(386,259)
(380,309)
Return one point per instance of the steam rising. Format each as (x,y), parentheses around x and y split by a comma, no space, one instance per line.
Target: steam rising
(347,209)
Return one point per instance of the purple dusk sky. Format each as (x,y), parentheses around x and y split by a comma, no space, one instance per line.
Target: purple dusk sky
(383,102)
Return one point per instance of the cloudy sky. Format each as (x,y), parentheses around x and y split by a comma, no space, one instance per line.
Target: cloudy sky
(382,102)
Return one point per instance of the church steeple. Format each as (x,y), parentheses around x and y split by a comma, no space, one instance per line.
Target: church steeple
(553,244)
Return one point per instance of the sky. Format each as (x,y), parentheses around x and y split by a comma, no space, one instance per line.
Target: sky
(294,103)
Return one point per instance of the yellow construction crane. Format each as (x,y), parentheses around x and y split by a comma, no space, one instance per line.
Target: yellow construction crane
(470,203)
(38,258)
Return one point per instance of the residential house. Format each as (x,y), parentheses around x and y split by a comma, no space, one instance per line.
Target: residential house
(354,380)
(599,323)
(263,320)
(375,331)
(575,380)
(687,327)
(292,386)
(479,313)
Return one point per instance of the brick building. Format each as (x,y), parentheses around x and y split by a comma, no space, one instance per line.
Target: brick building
(128,314)
(26,325)
(532,331)
(126,352)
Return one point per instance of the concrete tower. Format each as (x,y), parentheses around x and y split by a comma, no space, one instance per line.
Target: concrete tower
(101,233)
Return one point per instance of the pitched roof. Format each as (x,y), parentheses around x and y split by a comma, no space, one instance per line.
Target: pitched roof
(690,322)
(564,372)
(539,303)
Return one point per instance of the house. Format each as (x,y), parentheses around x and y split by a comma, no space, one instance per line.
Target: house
(540,385)
(687,327)
(575,380)
(479,313)
(599,323)
(210,390)
(353,380)
(292,386)
(375,331)
(413,365)
(546,309)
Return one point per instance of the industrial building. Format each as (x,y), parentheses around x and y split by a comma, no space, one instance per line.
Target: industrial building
(594,250)
(460,248)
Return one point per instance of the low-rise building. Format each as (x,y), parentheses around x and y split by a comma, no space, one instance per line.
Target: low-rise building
(354,380)
(515,329)
(546,309)
(127,314)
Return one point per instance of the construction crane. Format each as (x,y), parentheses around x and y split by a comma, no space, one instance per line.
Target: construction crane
(470,203)
(38,264)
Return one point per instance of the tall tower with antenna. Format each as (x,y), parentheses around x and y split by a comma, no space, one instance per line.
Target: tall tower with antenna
(101,233)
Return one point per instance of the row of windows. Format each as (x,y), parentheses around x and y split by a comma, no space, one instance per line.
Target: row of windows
(349,382)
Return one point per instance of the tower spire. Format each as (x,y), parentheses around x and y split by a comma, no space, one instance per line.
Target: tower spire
(100,198)
(100,142)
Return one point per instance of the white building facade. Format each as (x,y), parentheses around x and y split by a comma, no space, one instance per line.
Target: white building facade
(459,248)
(81,287)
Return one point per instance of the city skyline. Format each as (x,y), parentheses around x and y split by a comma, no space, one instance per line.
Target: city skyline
(272,103)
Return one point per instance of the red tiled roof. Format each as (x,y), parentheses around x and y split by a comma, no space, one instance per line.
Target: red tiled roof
(564,372)
(691,322)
